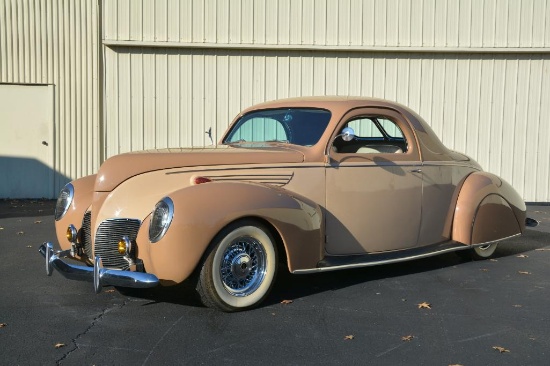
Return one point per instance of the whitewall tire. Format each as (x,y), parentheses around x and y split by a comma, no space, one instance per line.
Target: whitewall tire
(240,267)
(484,251)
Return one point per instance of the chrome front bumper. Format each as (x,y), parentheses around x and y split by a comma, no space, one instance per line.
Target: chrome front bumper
(97,274)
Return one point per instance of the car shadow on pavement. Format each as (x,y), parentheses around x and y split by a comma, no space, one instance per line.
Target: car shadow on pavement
(289,286)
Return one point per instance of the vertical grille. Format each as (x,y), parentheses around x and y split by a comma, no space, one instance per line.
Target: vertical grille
(107,237)
(86,234)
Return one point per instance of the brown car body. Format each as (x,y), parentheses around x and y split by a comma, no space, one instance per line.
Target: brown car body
(327,206)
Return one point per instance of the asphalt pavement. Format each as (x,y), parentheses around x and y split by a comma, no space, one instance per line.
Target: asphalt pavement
(492,312)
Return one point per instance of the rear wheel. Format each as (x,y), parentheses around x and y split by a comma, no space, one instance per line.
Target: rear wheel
(478,253)
(240,267)
(484,251)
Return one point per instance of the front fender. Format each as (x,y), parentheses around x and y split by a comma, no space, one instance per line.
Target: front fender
(83,195)
(201,211)
(487,209)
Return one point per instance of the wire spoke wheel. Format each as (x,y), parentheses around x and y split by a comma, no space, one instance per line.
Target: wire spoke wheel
(239,268)
(243,266)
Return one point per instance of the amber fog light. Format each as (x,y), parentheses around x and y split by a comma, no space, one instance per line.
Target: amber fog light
(72,233)
(124,245)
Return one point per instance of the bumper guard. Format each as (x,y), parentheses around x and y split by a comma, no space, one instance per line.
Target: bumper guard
(97,274)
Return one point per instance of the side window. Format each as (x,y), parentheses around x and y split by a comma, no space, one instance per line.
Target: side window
(259,129)
(365,127)
(375,135)
(390,127)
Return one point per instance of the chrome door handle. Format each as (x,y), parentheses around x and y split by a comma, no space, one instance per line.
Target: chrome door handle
(416,171)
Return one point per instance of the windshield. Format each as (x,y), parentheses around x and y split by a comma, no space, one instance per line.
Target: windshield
(298,126)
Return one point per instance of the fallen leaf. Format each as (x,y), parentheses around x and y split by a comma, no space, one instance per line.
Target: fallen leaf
(2,325)
(407,338)
(59,345)
(349,337)
(500,349)
(522,256)
(273,314)
(524,272)
(109,291)
(38,222)
(20,232)
(484,270)
(424,305)
(286,302)
(517,306)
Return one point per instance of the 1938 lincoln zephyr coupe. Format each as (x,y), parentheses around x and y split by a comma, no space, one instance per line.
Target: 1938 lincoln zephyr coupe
(319,183)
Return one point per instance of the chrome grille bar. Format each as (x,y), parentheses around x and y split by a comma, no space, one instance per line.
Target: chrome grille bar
(107,237)
(86,234)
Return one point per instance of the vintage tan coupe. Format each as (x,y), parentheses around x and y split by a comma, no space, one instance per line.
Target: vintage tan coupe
(320,183)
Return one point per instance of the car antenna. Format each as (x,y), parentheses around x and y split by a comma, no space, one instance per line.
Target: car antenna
(209,133)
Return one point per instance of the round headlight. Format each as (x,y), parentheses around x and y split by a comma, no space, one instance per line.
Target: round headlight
(161,219)
(64,201)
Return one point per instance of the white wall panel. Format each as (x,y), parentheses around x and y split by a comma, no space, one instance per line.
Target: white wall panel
(57,43)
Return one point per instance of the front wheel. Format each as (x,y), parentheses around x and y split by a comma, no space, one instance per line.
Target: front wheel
(240,267)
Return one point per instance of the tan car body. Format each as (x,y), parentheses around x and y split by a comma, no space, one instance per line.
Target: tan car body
(317,202)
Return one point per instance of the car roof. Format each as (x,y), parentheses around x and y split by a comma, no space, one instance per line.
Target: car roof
(429,143)
(326,102)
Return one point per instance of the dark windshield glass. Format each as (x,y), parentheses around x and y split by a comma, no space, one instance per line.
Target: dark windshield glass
(298,126)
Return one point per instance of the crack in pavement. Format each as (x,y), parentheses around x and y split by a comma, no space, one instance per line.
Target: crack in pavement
(93,324)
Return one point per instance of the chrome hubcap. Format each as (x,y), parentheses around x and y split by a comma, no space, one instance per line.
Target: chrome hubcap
(243,266)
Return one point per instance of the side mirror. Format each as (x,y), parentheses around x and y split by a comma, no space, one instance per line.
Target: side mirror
(347,135)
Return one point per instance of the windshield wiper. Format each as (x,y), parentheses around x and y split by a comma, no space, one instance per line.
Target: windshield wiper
(234,142)
(281,141)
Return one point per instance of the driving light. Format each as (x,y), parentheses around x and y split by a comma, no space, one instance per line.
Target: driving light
(124,245)
(64,201)
(72,233)
(160,219)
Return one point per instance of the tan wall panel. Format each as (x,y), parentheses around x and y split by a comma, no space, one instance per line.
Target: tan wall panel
(391,23)
(490,108)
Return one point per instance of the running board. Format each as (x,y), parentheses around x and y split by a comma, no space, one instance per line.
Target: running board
(337,262)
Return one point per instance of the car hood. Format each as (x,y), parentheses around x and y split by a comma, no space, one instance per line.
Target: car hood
(119,168)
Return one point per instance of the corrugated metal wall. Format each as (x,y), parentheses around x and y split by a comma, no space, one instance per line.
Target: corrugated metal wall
(477,71)
(57,43)
(393,23)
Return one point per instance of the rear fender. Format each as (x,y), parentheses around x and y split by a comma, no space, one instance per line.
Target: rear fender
(487,209)
(201,211)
